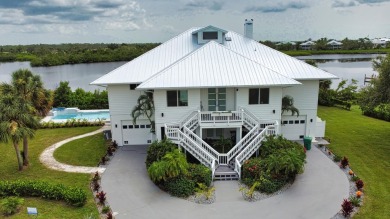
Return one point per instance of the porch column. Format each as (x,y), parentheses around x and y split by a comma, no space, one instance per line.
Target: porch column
(238,134)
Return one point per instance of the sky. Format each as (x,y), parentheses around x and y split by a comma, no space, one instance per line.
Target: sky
(141,21)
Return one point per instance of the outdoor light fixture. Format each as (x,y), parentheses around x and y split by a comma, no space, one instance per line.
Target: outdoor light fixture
(162,114)
(311,120)
(116,126)
(273,111)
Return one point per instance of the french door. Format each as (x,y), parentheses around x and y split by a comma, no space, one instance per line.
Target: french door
(217,99)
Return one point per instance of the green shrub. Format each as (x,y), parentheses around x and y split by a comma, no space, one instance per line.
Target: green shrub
(171,165)
(180,186)
(200,174)
(337,158)
(157,151)
(355,201)
(11,205)
(43,189)
(280,161)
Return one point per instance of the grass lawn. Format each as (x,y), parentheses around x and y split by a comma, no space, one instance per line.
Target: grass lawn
(82,152)
(47,209)
(365,141)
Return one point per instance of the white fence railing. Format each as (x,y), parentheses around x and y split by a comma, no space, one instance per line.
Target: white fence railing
(210,117)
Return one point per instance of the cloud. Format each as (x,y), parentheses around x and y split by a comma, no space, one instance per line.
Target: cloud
(372,1)
(210,5)
(113,14)
(279,7)
(341,4)
(353,3)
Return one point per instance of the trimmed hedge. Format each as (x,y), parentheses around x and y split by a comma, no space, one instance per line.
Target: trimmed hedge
(200,174)
(52,191)
(70,123)
(180,186)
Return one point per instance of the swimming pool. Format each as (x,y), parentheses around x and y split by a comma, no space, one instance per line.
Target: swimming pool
(63,114)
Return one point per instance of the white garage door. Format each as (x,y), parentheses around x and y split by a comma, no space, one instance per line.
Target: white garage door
(136,134)
(293,127)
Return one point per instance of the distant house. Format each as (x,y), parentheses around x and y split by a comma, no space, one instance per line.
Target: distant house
(333,44)
(380,42)
(209,83)
(308,45)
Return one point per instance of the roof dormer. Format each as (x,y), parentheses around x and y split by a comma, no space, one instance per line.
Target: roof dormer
(206,34)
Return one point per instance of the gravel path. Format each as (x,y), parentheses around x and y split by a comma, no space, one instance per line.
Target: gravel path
(49,161)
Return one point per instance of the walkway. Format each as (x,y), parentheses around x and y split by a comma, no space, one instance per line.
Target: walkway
(317,193)
(49,161)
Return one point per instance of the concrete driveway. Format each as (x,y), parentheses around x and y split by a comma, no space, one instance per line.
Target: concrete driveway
(317,193)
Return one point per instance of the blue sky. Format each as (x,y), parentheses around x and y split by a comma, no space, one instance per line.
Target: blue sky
(131,21)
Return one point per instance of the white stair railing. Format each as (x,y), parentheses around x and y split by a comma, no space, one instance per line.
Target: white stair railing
(243,143)
(190,145)
(254,145)
(199,141)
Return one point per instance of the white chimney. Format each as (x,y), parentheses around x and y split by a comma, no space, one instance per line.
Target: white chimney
(248,28)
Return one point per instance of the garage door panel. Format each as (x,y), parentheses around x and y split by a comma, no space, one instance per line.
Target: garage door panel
(136,134)
(293,127)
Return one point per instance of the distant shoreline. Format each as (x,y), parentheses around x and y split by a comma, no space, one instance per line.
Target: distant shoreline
(46,55)
(335,52)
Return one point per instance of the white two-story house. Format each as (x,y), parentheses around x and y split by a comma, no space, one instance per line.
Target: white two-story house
(210,82)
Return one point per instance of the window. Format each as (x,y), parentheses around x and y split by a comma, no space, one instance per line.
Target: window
(296,122)
(177,98)
(302,121)
(148,126)
(130,126)
(136,126)
(285,122)
(210,35)
(126,142)
(259,96)
(142,126)
(124,127)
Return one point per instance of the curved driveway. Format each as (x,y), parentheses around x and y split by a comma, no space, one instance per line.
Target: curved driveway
(317,193)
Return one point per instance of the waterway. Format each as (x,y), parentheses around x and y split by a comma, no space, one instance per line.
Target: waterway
(81,75)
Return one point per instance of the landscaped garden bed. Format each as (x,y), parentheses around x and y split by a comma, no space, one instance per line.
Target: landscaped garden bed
(169,170)
(276,167)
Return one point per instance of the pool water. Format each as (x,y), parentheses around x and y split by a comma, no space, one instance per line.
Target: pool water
(84,115)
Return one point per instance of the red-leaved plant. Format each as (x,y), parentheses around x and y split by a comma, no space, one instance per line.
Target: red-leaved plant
(109,215)
(102,197)
(346,208)
(359,184)
(344,162)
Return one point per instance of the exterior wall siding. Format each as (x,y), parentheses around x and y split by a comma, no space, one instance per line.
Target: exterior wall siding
(173,114)
(121,101)
(306,100)
(262,111)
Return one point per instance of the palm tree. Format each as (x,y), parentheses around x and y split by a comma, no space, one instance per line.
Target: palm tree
(144,107)
(288,105)
(15,122)
(29,89)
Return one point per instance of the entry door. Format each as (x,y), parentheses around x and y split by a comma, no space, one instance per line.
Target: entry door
(217,99)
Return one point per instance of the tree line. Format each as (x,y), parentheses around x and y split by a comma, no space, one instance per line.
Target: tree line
(51,55)
(321,44)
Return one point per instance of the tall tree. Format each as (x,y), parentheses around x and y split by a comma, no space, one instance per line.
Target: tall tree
(28,88)
(144,107)
(15,122)
(62,94)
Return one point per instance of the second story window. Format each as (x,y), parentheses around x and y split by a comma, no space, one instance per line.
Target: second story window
(177,98)
(210,35)
(259,96)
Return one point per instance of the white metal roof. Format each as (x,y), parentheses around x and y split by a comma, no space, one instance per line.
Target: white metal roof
(334,42)
(154,61)
(208,28)
(151,62)
(214,65)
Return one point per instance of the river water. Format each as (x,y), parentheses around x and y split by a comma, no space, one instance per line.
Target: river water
(80,75)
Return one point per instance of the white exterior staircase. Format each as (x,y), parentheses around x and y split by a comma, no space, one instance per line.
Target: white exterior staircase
(224,166)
